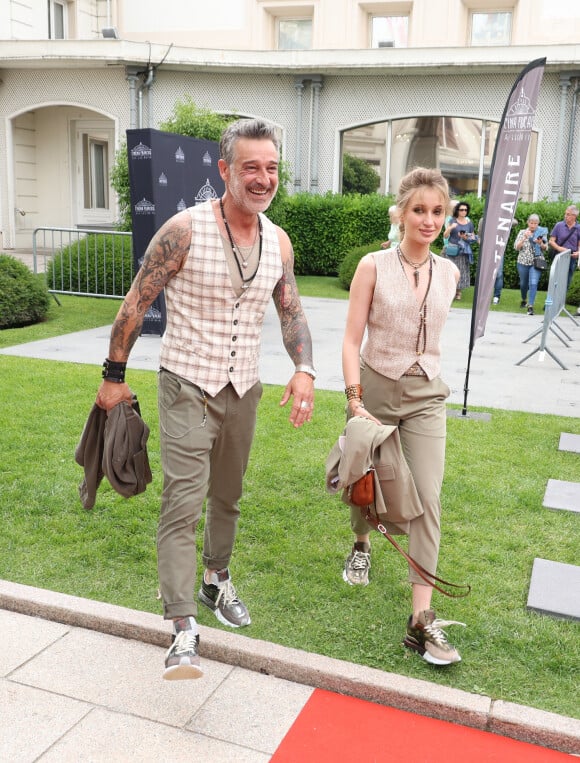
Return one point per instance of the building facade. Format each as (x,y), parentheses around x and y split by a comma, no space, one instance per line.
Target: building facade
(395,83)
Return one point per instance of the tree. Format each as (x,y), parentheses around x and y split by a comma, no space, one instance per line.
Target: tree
(358,176)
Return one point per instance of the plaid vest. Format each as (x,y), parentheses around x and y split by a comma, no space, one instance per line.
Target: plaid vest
(213,336)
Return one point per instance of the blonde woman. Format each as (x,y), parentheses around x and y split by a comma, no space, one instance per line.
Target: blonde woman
(401,298)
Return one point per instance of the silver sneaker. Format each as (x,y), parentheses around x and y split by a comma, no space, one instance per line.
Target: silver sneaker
(182,659)
(357,565)
(221,597)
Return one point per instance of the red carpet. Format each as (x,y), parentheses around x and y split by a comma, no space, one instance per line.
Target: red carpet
(333,728)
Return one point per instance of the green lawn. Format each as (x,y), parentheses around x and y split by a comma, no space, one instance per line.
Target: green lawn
(293,536)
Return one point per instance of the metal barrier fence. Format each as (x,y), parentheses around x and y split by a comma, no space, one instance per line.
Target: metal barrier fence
(555,304)
(84,261)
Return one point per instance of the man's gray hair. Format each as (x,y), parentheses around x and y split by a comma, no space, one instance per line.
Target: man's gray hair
(256,129)
(572,208)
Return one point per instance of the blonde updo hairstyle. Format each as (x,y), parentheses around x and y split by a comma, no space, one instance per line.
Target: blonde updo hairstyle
(421,177)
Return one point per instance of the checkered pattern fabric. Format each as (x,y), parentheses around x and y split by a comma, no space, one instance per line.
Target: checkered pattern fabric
(212,335)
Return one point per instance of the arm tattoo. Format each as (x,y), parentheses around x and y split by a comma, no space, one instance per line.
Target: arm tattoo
(295,331)
(163,259)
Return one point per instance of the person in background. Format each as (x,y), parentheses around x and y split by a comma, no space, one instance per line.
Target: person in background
(498,283)
(394,234)
(401,297)
(461,232)
(566,235)
(530,241)
(220,263)
(448,221)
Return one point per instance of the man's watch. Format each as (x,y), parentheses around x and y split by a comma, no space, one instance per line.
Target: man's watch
(306,370)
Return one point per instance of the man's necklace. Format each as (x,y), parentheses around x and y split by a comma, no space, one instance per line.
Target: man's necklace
(240,261)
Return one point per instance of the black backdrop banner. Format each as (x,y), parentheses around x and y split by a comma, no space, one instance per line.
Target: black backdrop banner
(167,174)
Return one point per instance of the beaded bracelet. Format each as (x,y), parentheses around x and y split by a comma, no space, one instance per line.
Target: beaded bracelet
(114,371)
(353,391)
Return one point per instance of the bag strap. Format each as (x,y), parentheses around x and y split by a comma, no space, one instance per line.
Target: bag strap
(568,236)
(427,576)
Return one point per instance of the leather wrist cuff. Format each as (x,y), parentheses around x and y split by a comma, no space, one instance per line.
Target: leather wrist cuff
(114,371)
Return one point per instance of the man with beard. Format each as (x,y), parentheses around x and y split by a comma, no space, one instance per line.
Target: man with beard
(219,263)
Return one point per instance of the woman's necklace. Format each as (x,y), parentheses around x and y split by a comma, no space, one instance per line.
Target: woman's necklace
(236,249)
(415,265)
(421,341)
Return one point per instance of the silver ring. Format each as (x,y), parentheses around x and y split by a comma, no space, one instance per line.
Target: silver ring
(304,404)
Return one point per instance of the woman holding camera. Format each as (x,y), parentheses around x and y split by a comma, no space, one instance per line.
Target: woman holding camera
(461,235)
(530,242)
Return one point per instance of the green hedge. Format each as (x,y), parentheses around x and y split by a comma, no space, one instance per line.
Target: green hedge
(24,298)
(96,264)
(323,229)
(573,296)
(326,229)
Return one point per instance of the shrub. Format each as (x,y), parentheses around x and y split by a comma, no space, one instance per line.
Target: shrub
(323,229)
(97,264)
(573,297)
(351,261)
(24,298)
(120,182)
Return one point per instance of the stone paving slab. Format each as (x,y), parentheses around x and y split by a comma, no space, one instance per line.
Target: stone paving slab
(115,738)
(569,442)
(249,695)
(85,689)
(32,720)
(555,589)
(562,495)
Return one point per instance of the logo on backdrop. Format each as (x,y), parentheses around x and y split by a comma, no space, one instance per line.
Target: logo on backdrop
(141,151)
(180,156)
(144,207)
(207,191)
(207,159)
(163,179)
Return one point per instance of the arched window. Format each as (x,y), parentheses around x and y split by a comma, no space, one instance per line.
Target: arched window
(461,147)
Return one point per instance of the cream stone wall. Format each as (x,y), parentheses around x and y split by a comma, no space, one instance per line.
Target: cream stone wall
(340,24)
(251,24)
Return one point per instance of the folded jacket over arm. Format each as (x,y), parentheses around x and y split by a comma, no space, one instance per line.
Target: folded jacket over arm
(115,446)
(366,445)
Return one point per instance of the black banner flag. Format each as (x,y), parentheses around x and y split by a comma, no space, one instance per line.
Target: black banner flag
(505,177)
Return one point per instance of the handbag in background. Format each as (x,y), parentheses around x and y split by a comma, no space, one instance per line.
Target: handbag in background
(540,262)
(452,250)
